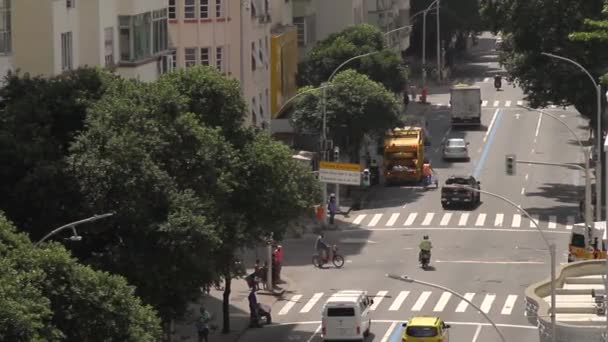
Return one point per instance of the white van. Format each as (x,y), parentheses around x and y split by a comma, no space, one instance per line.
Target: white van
(346,316)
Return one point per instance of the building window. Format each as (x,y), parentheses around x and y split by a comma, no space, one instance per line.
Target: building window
(142,36)
(219,58)
(260,54)
(253,58)
(108,44)
(174,59)
(205,56)
(70,3)
(204,9)
(189,9)
(300,23)
(5,27)
(219,8)
(66,51)
(254,119)
(172,9)
(189,57)
(159,31)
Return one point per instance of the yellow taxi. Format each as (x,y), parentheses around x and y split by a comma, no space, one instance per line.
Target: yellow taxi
(425,329)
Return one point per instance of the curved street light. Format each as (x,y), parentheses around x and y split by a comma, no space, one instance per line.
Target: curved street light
(72,226)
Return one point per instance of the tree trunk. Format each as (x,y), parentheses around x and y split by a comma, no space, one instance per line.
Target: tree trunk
(226,304)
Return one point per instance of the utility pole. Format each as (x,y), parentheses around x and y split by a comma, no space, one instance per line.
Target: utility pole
(438,46)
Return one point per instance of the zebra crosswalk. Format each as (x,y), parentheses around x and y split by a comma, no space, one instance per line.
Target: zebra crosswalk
(412,301)
(496,104)
(459,219)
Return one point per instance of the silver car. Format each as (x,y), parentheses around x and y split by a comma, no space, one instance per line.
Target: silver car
(456,148)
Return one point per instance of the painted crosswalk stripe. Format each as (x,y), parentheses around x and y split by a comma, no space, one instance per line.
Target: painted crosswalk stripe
(398,301)
(496,103)
(424,296)
(463,304)
(509,303)
(487,79)
(487,302)
(536,219)
(516,221)
(481,219)
(463,219)
(427,219)
(552,106)
(570,222)
(375,220)
(552,222)
(377,299)
(445,219)
(393,219)
(359,219)
(507,103)
(410,219)
(311,302)
(294,299)
(498,220)
(520,103)
(484,103)
(443,301)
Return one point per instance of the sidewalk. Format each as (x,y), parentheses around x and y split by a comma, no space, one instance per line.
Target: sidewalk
(239,311)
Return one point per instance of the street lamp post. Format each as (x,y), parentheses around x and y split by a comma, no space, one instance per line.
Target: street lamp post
(438,45)
(443,288)
(72,226)
(606,235)
(588,213)
(551,247)
(598,135)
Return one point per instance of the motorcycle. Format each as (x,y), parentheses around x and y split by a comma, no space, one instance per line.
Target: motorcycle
(425,259)
(497,83)
(336,259)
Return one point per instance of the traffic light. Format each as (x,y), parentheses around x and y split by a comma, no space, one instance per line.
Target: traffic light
(511,161)
(365,178)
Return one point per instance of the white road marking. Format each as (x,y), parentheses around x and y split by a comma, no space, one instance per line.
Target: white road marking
(479,150)
(311,302)
(540,118)
(314,334)
(463,219)
(389,332)
(424,296)
(496,103)
(509,303)
(393,219)
(427,219)
(294,299)
(453,229)
(359,219)
(520,103)
(516,221)
(477,331)
(445,136)
(498,220)
(487,79)
(486,305)
(570,222)
(517,116)
(377,299)
(410,219)
(375,220)
(523,190)
(507,103)
(484,103)
(485,137)
(526,177)
(529,327)
(536,219)
(443,301)
(445,219)
(532,152)
(481,219)
(398,301)
(490,262)
(462,307)
(552,106)
(552,222)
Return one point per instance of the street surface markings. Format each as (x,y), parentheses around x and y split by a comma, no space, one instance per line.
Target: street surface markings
(487,302)
(516,221)
(311,302)
(389,332)
(484,103)
(481,219)
(375,220)
(443,301)
(424,296)
(507,103)
(462,307)
(398,301)
(509,303)
(410,219)
(498,220)
(552,106)
(477,332)
(552,222)
(377,299)
(463,219)
(487,79)
(445,219)
(496,103)
(570,222)
(393,219)
(535,218)
(427,219)
(520,103)
(359,219)
(294,299)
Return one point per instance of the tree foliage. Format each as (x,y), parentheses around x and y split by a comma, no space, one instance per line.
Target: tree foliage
(385,67)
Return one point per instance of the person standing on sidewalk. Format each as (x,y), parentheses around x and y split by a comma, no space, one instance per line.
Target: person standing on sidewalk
(332,208)
(202,325)
(254,321)
(278,257)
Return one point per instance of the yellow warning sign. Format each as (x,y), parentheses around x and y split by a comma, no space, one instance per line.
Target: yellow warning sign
(340,166)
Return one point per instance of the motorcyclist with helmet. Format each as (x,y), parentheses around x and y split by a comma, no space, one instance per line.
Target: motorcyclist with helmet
(425,248)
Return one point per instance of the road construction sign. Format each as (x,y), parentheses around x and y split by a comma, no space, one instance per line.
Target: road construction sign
(340,173)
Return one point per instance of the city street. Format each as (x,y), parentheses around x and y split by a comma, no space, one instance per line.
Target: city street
(489,254)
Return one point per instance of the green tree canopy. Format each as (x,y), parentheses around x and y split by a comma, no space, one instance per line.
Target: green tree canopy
(355,106)
(385,67)
(595,31)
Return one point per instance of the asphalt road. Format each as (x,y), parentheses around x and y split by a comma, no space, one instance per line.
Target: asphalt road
(490,254)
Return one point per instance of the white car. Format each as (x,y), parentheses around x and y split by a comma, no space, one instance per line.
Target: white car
(456,148)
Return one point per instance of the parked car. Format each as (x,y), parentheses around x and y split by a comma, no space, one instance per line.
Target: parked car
(452,194)
(456,148)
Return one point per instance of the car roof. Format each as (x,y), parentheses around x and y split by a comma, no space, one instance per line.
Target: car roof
(455,139)
(346,296)
(460,176)
(425,321)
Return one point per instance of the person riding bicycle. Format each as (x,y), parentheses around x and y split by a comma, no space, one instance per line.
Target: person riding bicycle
(425,247)
(322,247)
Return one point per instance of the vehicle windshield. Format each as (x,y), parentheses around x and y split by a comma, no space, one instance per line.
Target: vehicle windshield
(462,181)
(421,331)
(340,312)
(456,143)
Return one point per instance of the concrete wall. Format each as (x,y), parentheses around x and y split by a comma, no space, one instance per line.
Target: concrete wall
(33,49)
(352,12)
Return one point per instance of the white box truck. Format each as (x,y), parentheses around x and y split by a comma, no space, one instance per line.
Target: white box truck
(465,103)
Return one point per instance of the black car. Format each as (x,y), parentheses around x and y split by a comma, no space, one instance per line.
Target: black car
(451,193)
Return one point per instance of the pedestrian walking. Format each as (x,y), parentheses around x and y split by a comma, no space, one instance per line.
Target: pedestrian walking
(332,208)
(278,257)
(202,325)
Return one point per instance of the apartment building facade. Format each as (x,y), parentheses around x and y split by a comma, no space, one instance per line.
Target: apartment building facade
(130,36)
(390,15)
(231,35)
